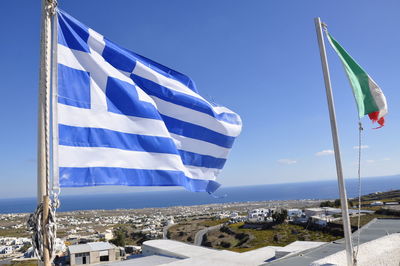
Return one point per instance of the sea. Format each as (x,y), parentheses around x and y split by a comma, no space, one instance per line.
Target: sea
(154,199)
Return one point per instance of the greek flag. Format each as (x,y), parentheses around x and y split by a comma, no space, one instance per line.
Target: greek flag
(126,120)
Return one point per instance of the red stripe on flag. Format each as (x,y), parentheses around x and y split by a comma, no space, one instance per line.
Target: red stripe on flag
(374,117)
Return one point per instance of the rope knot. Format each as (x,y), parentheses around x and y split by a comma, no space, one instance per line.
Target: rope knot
(51,7)
(35,225)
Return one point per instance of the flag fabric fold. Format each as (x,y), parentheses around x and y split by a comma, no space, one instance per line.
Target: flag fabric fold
(124,119)
(368,95)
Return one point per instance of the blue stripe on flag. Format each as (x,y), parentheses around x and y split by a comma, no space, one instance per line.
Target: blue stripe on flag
(98,137)
(118,57)
(197,132)
(125,60)
(100,176)
(122,98)
(73,87)
(195,159)
(72,33)
(182,99)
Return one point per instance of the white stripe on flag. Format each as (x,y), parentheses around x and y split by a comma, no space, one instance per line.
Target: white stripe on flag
(199,146)
(378,96)
(109,157)
(98,68)
(79,117)
(195,117)
(203,173)
(152,75)
(96,42)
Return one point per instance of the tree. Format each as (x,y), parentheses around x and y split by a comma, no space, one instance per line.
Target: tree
(24,248)
(119,237)
(337,202)
(279,216)
(350,203)
(327,204)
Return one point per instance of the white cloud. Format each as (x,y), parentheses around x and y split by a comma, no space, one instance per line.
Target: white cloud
(362,147)
(287,161)
(370,161)
(386,159)
(325,152)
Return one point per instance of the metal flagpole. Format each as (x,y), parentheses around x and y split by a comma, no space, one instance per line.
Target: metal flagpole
(335,138)
(43,174)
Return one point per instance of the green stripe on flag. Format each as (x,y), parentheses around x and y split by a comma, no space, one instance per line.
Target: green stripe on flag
(359,80)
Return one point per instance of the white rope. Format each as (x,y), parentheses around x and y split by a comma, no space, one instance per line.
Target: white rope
(360,129)
(35,226)
(35,221)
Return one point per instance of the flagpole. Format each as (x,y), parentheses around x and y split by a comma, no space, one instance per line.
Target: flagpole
(335,138)
(43,169)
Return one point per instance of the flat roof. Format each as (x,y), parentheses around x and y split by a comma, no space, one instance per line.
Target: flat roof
(375,229)
(141,260)
(196,255)
(92,246)
(299,246)
(179,249)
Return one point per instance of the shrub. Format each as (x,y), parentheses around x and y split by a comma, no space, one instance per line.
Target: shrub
(277,237)
(240,236)
(227,230)
(225,244)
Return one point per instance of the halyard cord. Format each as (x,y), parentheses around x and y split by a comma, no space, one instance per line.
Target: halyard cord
(35,226)
(360,129)
(34,222)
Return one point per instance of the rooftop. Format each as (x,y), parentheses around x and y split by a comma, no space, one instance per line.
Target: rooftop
(93,246)
(170,252)
(373,230)
(141,260)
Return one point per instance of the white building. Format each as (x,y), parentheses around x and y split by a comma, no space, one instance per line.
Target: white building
(376,203)
(259,215)
(294,212)
(320,220)
(6,250)
(93,253)
(314,211)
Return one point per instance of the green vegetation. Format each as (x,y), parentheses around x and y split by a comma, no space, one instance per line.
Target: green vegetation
(393,195)
(187,230)
(364,219)
(125,235)
(334,204)
(209,223)
(283,234)
(388,196)
(280,216)
(391,212)
(236,238)
(24,248)
(14,233)
(120,236)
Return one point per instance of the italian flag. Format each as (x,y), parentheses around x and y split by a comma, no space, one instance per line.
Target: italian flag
(369,97)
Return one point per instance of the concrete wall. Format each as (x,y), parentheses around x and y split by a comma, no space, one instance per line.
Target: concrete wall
(95,256)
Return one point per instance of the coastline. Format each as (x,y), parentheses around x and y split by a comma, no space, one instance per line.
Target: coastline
(317,190)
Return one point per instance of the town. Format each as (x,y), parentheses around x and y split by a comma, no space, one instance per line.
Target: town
(123,232)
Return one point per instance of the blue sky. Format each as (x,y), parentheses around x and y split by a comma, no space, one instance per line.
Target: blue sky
(259,58)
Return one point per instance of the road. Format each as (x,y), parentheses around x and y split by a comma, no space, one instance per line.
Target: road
(198,238)
(165,231)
